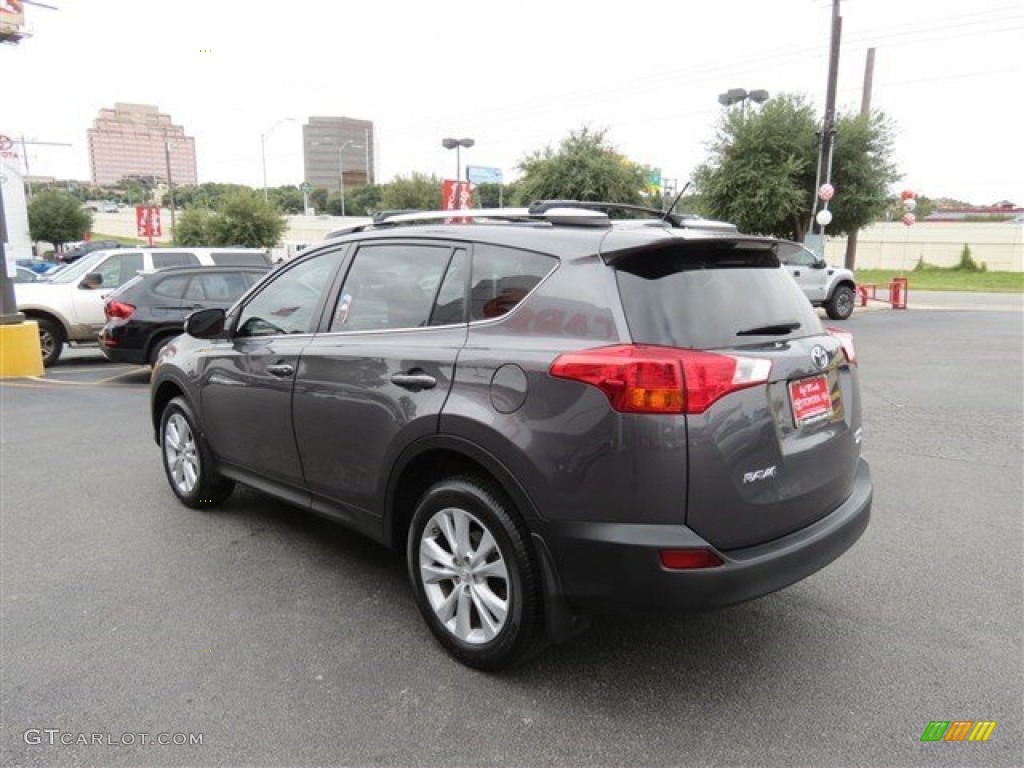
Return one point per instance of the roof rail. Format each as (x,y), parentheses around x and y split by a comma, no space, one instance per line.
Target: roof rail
(555,215)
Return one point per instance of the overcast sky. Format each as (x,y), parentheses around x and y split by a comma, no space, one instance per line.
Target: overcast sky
(517,77)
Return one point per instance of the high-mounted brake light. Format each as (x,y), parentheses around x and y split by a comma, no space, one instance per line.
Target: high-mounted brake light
(638,378)
(846,339)
(121,310)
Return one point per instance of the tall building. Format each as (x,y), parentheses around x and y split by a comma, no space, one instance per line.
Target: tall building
(131,139)
(333,144)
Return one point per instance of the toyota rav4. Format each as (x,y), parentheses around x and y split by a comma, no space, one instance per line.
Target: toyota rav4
(551,414)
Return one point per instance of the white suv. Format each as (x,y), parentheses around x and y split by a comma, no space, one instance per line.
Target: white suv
(69,306)
(834,288)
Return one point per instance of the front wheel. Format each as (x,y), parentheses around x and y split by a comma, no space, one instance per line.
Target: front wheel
(51,340)
(840,305)
(475,574)
(186,459)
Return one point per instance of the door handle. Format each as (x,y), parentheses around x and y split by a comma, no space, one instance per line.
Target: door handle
(281,370)
(796,273)
(414,381)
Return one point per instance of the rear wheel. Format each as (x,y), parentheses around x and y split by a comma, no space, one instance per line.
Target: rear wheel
(475,574)
(840,305)
(51,340)
(186,459)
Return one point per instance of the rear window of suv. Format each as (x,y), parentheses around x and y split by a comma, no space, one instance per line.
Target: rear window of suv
(240,259)
(707,295)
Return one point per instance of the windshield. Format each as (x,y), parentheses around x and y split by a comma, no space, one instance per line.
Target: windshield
(79,269)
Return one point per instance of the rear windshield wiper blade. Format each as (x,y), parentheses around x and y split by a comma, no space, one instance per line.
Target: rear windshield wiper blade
(775,329)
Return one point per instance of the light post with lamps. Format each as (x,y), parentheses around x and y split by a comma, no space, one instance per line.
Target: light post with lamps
(742,96)
(457,145)
(263,151)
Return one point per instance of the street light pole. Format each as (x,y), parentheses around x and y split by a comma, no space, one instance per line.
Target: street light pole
(341,177)
(457,145)
(170,187)
(263,151)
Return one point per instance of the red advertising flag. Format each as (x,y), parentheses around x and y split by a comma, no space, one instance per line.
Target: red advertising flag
(455,196)
(141,221)
(154,221)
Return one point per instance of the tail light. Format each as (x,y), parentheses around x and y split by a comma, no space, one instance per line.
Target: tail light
(846,339)
(646,379)
(121,310)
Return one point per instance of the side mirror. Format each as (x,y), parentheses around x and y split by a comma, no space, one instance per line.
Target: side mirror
(819,264)
(205,323)
(91,281)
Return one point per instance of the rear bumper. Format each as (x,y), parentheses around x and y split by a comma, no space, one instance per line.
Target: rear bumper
(615,568)
(119,345)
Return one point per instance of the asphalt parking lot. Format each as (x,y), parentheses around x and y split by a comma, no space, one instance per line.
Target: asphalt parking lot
(282,639)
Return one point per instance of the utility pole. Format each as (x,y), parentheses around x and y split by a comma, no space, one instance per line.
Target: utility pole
(850,259)
(829,127)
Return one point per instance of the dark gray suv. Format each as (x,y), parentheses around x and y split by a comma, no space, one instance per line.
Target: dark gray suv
(550,413)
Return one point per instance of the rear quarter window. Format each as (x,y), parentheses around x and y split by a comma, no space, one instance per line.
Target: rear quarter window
(502,277)
(701,295)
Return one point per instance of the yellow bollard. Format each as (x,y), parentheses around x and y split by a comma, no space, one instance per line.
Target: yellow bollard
(20,354)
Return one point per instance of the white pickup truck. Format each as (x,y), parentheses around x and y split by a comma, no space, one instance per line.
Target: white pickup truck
(69,306)
(833,288)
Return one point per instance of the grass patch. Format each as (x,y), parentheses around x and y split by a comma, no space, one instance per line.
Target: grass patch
(122,240)
(936,279)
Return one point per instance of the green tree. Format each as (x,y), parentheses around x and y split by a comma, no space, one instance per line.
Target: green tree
(761,172)
(57,217)
(584,167)
(363,200)
(243,218)
(419,191)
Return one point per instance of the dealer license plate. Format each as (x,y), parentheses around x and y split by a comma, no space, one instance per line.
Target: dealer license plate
(811,400)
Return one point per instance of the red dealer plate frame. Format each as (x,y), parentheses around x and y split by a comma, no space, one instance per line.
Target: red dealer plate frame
(811,400)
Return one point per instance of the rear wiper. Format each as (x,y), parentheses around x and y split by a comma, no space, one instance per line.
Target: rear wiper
(775,329)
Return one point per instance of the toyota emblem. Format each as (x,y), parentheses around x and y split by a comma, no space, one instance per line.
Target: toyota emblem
(819,356)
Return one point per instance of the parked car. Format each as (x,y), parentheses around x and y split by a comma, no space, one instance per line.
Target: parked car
(69,306)
(149,310)
(550,413)
(833,288)
(80,250)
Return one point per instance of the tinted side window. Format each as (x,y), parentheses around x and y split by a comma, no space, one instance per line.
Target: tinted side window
(119,268)
(502,277)
(450,305)
(390,286)
(216,286)
(174,259)
(287,304)
(171,287)
(240,259)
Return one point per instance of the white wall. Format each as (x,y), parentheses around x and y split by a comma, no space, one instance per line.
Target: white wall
(895,246)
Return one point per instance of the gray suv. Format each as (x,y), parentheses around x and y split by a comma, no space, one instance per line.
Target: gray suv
(551,413)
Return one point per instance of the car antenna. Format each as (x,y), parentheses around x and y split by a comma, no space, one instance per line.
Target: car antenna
(668,213)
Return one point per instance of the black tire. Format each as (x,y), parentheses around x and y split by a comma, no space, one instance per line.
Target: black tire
(187,461)
(51,340)
(506,574)
(840,304)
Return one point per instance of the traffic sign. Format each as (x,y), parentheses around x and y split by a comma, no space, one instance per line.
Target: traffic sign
(481,174)
(306,187)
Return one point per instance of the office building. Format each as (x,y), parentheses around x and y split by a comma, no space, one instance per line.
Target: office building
(333,147)
(132,140)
